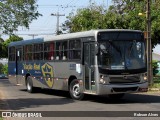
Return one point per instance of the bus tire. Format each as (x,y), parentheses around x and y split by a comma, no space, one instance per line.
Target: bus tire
(116,96)
(29,85)
(75,90)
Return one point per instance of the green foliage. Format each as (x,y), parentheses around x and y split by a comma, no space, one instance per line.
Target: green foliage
(12,38)
(15,13)
(85,19)
(155,66)
(156,82)
(1,67)
(5,69)
(123,14)
(4,45)
(1,40)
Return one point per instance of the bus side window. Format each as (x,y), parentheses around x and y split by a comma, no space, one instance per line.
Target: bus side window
(75,49)
(27,52)
(49,51)
(58,51)
(12,54)
(62,50)
(38,52)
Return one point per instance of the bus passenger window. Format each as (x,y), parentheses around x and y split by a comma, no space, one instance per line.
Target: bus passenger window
(49,51)
(64,50)
(12,54)
(28,52)
(75,49)
(61,50)
(38,52)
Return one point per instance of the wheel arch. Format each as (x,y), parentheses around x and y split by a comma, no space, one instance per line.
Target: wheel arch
(71,78)
(28,74)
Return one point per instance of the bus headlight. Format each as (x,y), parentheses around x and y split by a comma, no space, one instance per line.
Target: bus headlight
(144,76)
(101,80)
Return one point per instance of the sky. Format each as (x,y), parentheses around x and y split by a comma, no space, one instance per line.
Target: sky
(46,24)
(157,49)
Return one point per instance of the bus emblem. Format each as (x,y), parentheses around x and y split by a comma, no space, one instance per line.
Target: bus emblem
(47,71)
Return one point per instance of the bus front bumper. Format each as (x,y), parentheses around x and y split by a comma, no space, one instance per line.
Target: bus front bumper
(105,89)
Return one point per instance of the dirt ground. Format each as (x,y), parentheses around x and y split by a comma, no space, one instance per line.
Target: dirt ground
(3,104)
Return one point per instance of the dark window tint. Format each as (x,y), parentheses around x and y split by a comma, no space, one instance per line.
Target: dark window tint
(62,50)
(38,52)
(75,49)
(49,53)
(12,54)
(28,52)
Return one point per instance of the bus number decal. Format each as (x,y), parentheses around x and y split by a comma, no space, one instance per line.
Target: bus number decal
(72,66)
(47,71)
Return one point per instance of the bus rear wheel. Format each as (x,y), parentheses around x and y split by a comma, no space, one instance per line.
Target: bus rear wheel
(75,90)
(29,85)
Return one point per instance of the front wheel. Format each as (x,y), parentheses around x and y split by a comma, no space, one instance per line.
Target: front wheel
(75,90)
(29,85)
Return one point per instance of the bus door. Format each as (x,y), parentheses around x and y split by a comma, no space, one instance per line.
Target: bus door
(18,69)
(89,66)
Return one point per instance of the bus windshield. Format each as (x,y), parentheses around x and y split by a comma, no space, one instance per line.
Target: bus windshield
(119,54)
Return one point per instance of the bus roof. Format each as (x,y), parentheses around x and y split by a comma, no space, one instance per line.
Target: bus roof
(84,34)
(68,36)
(25,42)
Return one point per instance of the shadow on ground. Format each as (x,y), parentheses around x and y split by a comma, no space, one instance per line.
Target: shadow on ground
(62,98)
(22,103)
(128,98)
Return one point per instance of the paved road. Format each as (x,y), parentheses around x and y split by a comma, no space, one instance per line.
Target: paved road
(17,98)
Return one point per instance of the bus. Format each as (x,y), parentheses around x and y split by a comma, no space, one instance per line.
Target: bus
(99,62)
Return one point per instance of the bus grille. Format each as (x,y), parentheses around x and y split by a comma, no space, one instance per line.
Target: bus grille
(125,79)
(125,89)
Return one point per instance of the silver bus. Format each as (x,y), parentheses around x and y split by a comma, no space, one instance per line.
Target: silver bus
(99,62)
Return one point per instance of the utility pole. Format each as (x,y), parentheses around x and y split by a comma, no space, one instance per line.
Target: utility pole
(149,44)
(57,15)
(33,35)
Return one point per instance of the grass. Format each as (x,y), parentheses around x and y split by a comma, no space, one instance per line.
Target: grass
(1,118)
(156,80)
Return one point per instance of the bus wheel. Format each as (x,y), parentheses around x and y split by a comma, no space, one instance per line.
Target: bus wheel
(29,85)
(116,96)
(75,90)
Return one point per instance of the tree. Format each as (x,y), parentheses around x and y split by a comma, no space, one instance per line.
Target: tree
(123,14)
(1,41)
(13,38)
(155,66)
(1,67)
(130,10)
(15,13)
(5,69)
(85,19)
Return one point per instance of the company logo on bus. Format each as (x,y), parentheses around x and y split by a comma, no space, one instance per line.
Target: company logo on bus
(47,71)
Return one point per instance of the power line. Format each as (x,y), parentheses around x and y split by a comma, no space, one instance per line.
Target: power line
(63,6)
(32,35)
(35,34)
(57,15)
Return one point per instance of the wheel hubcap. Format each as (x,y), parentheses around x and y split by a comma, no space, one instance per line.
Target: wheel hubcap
(28,86)
(76,90)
